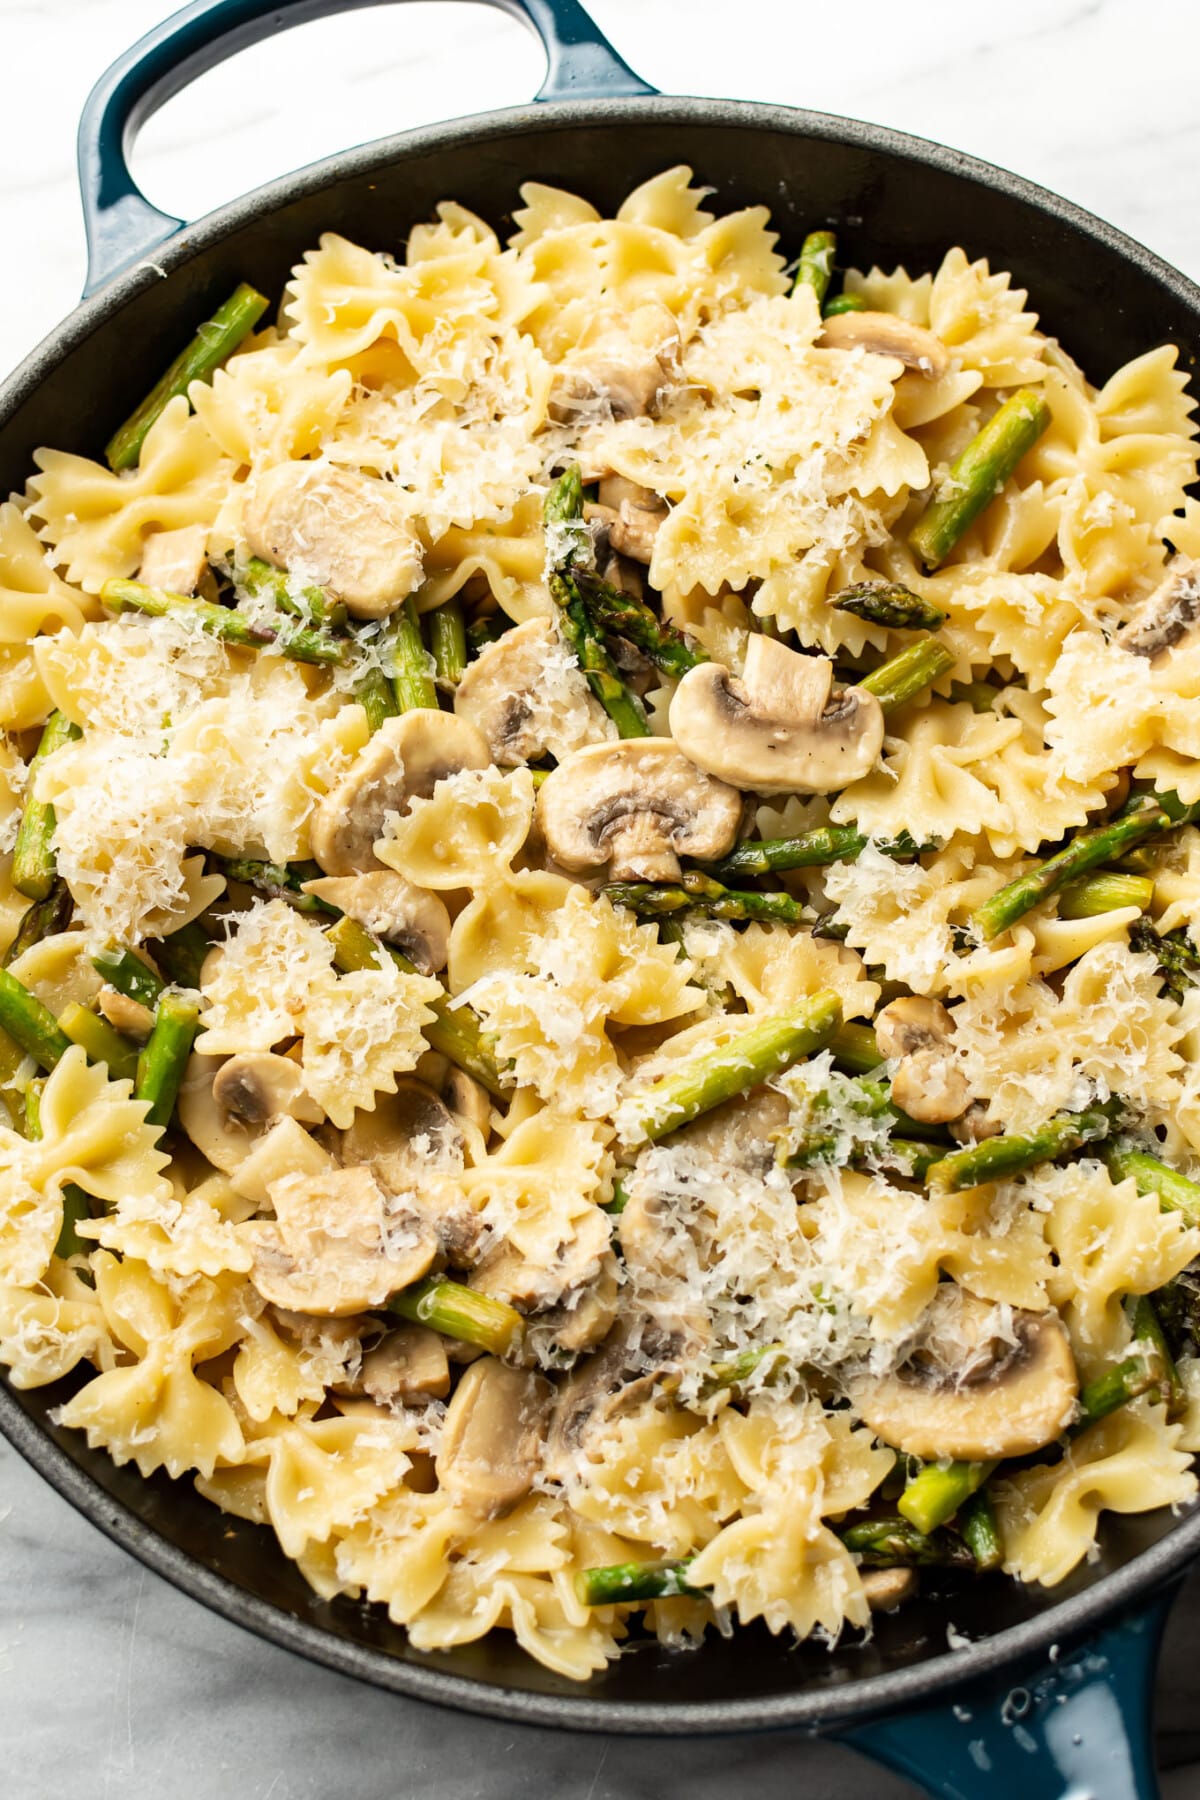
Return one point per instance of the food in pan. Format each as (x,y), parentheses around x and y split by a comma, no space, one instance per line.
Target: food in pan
(602,903)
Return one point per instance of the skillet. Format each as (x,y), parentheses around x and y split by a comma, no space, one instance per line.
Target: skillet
(1050,1690)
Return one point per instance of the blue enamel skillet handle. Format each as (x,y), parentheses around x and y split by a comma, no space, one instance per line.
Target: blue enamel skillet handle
(123,227)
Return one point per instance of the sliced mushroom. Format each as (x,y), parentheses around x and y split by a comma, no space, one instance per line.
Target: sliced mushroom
(638,806)
(886,334)
(346,531)
(527,705)
(1168,614)
(628,516)
(619,369)
(175,561)
(410,917)
(468,1098)
(226,1105)
(571,1294)
(414,1146)
(493,1435)
(777,730)
(129,1016)
(409,1364)
(973,1388)
(927,1083)
(975,1124)
(886,1589)
(405,760)
(583,1317)
(611,1382)
(337,1245)
(742,1133)
(285,1149)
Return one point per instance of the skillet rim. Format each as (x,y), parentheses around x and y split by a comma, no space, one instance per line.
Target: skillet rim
(937,1676)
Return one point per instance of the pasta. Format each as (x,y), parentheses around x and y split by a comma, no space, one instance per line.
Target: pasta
(599,1021)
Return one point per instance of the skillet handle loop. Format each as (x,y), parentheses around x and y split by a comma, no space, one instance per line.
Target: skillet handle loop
(124,228)
(1079,1729)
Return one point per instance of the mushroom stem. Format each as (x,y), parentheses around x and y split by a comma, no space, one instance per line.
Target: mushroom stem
(33,864)
(882,1543)
(634,1583)
(1177,957)
(299,643)
(813,849)
(890,604)
(43,919)
(412,681)
(608,609)
(935,1493)
(1175,1191)
(998,1158)
(460,1312)
(981,1532)
(29,1024)
(448,642)
(164,1058)
(907,674)
(815,268)
(694,892)
(1103,893)
(977,475)
(705,1080)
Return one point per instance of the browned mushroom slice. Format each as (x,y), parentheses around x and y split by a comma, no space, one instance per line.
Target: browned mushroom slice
(572,1294)
(175,561)
(493,1435)
(927,1082)
(468,1099)
(337,1245)
(974,1389)
(619,369)
(638,806)
(628,516)
(129,1016)
(345,531)
(405,760)
(410,917)
(413,1144)
(408,1365)
(617,1377)
(886,1589)
(778,729)
(886,334)
(742,1133)
(527,699)
(1167,615)
(226,1105)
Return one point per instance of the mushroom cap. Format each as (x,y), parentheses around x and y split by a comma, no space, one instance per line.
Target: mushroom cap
(405,760)
(887,1589)
(887,334)
(226,1105)
(492,1439)
(966,1393)
(345,531)
(175,560)
(413,1145)
(566,1269)
(408,1364)
(928,1083)
(637,805)
(395,909)
(1166,615)
(525,698)
(777,730)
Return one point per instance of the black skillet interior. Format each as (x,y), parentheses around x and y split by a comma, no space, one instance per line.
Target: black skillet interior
(890,201)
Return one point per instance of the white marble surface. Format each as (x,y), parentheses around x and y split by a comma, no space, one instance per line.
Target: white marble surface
(110,1682)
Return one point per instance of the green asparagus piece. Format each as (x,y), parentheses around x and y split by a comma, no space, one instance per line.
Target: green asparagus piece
(980,696)
(413,681)
(1106,892)
(633,1583)
(869,1100)
(978,474)
(126,972)
(1149,1335)
(29,1024)
(161,1063)
(888,603)
(263,581)
(100,1042)
(1084,851)
(620,1198)
(998,1158)
(908,1157)
(454,1030)
(562,516)
(816,264)
(374,694)
(299,643)
(1176,955)
(567,535)
(739,1369)
(460,1312)
(935,1494)
(216,339)
(813,849)
(705,1080)
(33,867)
(907,674)
(76,1204)
(884,1543)
(448,641)
(482,632)
(694,892)
(842,303)
(854,1048)
(181,956)
(609,610)
(41,920)
(283,881)
(1175,1191)
(981,1532)
(1127,1381)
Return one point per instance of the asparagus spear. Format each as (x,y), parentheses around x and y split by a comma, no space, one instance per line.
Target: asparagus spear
(33,867)
(981,1532)
(373,691)
(620,1199)
(883,1543)
(181,956)
(299,643)
(1106,892)
(870,1100)
(263,581)
(816,264)
(216,339)
(855,1048)
(739,1369)
(703,1081)
(161,1063)
(1098,844)
(842,303)
(998,1158)
(935,1494)
(454,1030)
(694,892)
(907,674)
(608,609)
(283,881)
(1174,1191)
(100,1042)
(1176,955)
(41,920)
(980,696)
(907,1156)
(481,632)
(413,681)
(1148,1333)
(460,1312)
(633,1583)
(76,1204)
(813,849)
(568,537)
(448,641)
(1127,1381)
(888,603)
(978,474)
(29,1024)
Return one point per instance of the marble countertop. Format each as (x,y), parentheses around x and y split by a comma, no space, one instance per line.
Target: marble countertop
(111,1683)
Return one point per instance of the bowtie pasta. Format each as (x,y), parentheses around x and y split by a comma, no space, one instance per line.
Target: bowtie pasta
(601,907)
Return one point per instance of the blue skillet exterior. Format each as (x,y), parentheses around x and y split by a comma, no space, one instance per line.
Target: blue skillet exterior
(1051,1692)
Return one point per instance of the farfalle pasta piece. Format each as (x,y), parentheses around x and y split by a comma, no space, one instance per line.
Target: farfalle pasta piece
(185,1235)
(469,831)
(33,598)
(772,967)
(266,406)
(323,1475)
(979,316)
(549,1171)
(47,1331)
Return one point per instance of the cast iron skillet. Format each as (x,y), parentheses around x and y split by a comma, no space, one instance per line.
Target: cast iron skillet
(1081,1658)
